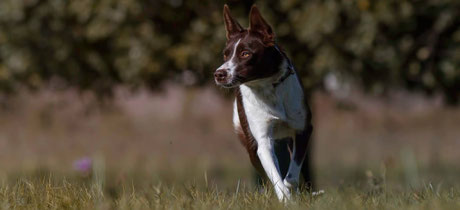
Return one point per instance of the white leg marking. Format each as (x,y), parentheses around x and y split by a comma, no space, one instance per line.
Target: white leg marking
(270,164)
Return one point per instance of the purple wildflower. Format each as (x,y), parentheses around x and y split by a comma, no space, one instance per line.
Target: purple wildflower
(83,165)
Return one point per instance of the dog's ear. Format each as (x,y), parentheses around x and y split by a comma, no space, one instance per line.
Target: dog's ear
(259,25)
(231,25)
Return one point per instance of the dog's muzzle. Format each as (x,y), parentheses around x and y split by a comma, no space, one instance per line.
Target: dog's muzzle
(221,76)
(224,78)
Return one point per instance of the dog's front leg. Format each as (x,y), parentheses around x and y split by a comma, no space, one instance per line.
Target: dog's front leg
(267,157)
(299,152)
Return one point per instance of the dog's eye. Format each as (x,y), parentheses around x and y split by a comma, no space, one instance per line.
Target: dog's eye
(245,54)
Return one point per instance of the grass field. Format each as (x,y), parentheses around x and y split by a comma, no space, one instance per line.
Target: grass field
(177,151)
(46,191)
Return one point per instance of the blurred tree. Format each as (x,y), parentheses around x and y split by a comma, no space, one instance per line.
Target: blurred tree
(96,45)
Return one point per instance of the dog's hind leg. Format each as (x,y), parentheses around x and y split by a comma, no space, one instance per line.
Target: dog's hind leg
(307,173)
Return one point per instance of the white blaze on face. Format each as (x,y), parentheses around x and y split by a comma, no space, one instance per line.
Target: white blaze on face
(230,64)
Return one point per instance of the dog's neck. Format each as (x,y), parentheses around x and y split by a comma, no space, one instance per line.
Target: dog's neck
(267,90)
(285,70)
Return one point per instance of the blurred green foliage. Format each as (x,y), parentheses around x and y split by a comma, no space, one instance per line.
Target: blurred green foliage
(96,45)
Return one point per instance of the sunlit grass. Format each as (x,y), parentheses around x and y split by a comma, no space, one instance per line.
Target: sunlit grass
(48,192)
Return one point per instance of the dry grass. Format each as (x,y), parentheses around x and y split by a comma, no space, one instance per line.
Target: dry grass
(177,150)
(59,193)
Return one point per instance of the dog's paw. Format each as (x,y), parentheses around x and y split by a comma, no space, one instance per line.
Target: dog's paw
(283,193)
(291,183)
(317,193)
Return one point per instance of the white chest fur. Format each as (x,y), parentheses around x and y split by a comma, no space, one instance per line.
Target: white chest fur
(273,112)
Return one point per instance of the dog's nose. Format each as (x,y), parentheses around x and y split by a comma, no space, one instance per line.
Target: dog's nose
(220,75)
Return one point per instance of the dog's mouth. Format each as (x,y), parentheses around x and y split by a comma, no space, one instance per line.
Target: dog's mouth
(231,84)
(235,81)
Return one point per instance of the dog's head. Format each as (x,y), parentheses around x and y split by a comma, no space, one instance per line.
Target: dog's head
(250,54)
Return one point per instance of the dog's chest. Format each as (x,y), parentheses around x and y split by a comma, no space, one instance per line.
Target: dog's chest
(263,104)
(274,112)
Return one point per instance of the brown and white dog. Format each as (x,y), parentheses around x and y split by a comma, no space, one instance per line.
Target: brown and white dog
(270,104)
